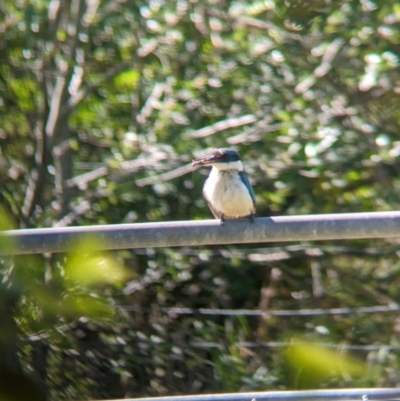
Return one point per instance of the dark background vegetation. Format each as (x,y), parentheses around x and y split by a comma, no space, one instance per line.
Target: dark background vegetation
(104,103)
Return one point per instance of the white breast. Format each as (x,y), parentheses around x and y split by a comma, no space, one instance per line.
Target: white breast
(227,194)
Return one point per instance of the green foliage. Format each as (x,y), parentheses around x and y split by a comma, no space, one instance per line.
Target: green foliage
(103,104)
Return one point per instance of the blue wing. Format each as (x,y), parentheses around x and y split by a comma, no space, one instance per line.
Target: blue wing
(247,184)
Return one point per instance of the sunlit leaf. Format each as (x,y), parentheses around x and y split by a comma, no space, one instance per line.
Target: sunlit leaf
(88,267)
(6,224)
(127,79)
(313,365)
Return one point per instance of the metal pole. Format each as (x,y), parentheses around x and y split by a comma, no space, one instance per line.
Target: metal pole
(362,394)
(205,232)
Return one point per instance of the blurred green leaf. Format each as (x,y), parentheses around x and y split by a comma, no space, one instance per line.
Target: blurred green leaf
(127,79)
(88,267)
(314,366)
(6,222)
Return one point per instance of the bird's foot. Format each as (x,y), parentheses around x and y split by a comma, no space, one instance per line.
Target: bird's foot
(251,218)
(222,221)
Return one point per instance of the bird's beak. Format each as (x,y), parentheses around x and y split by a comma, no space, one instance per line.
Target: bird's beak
(206,161)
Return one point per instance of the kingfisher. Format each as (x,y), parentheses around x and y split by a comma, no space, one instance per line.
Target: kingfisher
(227,189)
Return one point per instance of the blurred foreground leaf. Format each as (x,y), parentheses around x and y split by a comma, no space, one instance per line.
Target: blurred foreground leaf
(5,221)
(73,290)
(5,224)
(312,365)
(88,267)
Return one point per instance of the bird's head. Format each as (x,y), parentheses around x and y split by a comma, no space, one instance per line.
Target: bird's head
(221,159)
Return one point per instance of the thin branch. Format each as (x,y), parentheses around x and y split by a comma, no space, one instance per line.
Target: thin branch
(82,180)
(148,107)
(126,169)
(325,66)
(36,180)
(261,313)
(169,175)
(221,126)
(258,131)
(76,211)
(318,288)
(279,344)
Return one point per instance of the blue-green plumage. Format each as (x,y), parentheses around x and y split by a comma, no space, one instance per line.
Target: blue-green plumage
(246,182)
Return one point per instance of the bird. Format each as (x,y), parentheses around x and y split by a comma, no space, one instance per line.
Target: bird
(227,189)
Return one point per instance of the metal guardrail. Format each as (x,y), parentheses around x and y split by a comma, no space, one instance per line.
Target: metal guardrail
(362,394)
(205,232)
